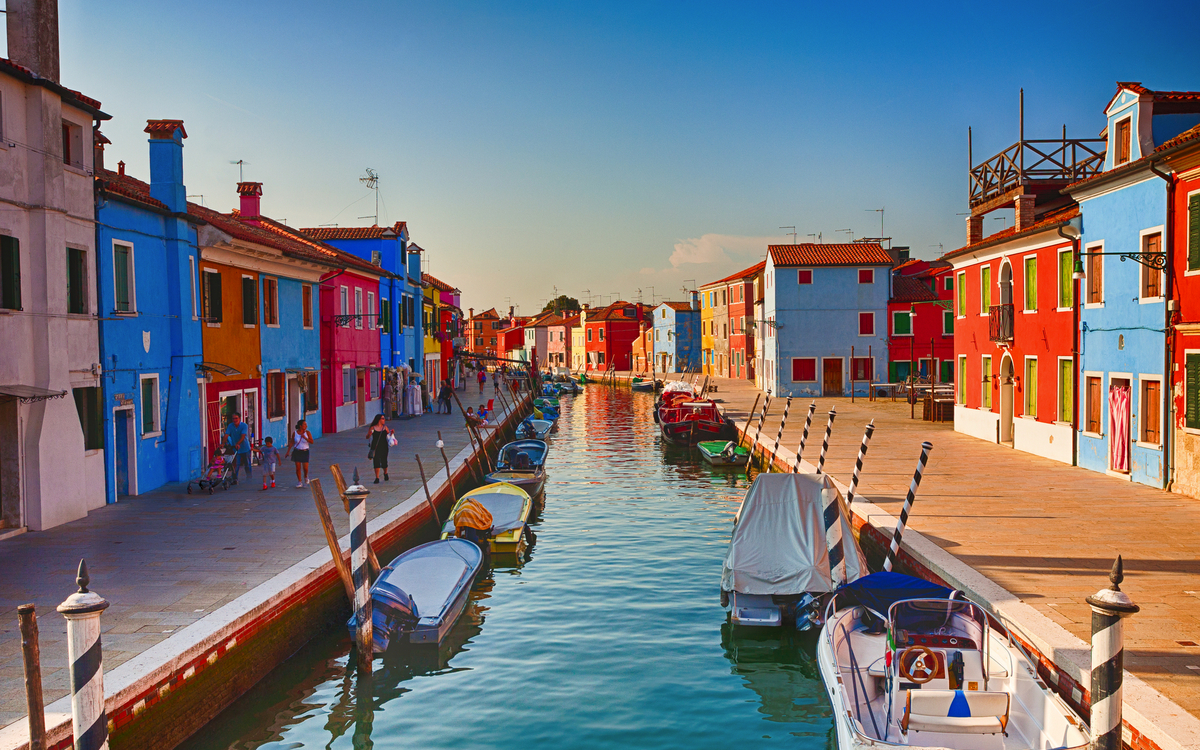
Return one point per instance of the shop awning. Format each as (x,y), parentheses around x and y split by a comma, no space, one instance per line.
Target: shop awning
(216,367)
(29,394)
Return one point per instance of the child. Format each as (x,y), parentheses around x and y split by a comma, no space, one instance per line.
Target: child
(270,461)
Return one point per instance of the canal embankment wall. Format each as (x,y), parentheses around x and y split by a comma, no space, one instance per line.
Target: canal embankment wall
(1151,720)
(162,696)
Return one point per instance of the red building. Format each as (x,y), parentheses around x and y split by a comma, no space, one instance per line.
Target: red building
(745,289)
(609,334)
(511,340)
(483,331)
(921,322)
(1180,157)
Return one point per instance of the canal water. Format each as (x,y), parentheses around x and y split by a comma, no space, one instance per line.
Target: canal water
(611,634)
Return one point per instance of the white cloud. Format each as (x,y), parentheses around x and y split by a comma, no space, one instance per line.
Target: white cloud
(718,248)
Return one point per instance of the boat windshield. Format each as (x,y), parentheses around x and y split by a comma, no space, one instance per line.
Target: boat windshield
(937,617)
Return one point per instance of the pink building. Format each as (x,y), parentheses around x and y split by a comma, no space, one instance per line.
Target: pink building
(350,361)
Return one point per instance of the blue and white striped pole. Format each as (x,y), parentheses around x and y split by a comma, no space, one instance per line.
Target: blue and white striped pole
(908,501)
(833,533)
(825,442)
(804,437)
(356,497)
(862,452)
(89,722)
(779,435)
(1110,607)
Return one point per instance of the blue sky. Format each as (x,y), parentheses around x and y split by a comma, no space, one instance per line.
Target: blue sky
(611,146)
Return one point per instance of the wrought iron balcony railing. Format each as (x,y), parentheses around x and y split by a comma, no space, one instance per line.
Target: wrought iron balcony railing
(1000,323)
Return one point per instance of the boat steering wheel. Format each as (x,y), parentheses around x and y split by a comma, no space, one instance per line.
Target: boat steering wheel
(922,667)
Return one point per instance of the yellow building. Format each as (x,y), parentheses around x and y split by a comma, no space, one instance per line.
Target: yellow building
(578,348)
(706,331)
(430,315)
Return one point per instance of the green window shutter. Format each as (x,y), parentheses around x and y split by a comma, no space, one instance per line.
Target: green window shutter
(1065,270)
(962,380)
(985,289)
(10,273)
(901,323)
(1066,390)
(147,405)
(962,294)
(947,324)
(1031,283)
(1192,391)
(215,307)
(249,301)
(121,278)
(1031,387)
(1194,233)
(947,373)
(76,281)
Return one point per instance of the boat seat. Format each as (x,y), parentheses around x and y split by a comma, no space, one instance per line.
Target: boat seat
(955,712)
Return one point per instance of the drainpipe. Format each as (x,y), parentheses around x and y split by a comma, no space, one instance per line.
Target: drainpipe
(1073,231)
(106,413)
(1168,339)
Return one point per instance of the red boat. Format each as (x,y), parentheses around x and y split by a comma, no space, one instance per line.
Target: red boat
(689,421)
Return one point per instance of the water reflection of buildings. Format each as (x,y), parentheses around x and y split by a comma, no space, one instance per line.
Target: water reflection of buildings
(780,666)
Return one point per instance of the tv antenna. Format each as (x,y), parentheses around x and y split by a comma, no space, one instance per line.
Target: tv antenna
(849,233)
(201,197)
(241,163)
(880,212)
(818,235)
(941,248)
(651,295)
(793,233)
(371,180)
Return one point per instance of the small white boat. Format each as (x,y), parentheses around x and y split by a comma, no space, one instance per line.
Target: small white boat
(908,665)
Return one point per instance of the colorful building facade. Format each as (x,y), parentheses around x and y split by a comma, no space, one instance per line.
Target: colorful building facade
(921,322)
(677,336)
(610,332)
(743,290)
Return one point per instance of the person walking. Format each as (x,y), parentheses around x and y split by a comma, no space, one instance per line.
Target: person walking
(379,435)
(237,436)
(482,378)
(444,397)
(298,448)
(270,461)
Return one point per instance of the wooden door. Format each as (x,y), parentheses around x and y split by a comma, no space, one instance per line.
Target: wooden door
(362,397)
(831,377)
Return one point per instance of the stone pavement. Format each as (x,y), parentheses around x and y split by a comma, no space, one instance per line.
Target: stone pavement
(165,559)
(1046,532)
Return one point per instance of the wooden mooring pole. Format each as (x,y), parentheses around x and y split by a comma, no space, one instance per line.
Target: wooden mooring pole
(340,481)
(428,497)
(31,655)
(331,538)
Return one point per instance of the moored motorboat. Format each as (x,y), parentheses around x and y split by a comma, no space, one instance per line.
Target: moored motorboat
(532,481)
(777,571)
(522,455)
(535,429)
(509,507)
(640,384)
(691,421)
(723,453)
(418,596)
(908,663)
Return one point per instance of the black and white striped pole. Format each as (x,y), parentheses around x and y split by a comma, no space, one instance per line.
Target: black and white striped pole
(762,417)
(825,442)
(833,534)
(804,436)
(89,723)
(1110,607)
(862,452)
(779,435)
(908,501)
(364,633)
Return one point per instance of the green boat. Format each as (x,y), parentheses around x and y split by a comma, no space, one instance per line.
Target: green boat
(723,453)
(551,402)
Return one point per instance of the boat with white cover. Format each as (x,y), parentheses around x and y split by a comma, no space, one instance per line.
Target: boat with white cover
(908,663)
(776,570)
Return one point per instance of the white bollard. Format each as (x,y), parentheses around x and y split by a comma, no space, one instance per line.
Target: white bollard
(89,722)
(1110,607)
(356,496)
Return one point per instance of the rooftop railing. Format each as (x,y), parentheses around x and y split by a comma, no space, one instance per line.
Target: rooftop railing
(1062,160)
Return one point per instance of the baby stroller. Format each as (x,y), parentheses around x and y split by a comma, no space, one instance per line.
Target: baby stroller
(219,472)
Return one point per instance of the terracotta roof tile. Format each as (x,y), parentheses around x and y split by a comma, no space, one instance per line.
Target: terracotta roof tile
(1049,221)
(437,284)
(911,289)
(744,273)
(128,187)
(570,322)
(353,233)
(679,306)
(843,254)
(491,313)
(1184,137)
(616,311)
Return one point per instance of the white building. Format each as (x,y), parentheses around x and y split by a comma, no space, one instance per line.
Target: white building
(51,412)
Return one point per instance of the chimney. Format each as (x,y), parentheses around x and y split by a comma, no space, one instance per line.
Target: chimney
(470,312)
(166,163)
(1024,212)
(974,229)
(695,299)
(902,253)
(510,311)
(251,193)
(33,36)
(98,144)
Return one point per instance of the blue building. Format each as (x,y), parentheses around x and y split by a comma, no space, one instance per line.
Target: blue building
(400,292)
(1123,395)
(824,323)
(677,336)
(150,335)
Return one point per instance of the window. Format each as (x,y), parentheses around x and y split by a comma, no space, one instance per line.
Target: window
(385,314)
(862,368)
(1031,386)
(600,358)
(947,371)
(804,369)
(1151,412)
(345,300)
(72,144)
(270,301)
(307,301)
(371,310)
(947,323)
(358,307)
(150,396)
(76,281)
(89,404)
(1066,390)
(374,377)
(901,323)
(1066,267)
(1191,391)
(985,391)
(192,265)
(1095,275)
(1151,277)
(10,272)
(962,294)
(948,283)
(312,392)
(212,297)
(866,275)
(1193,243)
(1031,282)
(601,333)
(479,341)
(249,301)
(962,379)
(985,289)
(589,332)
(1123,141)
(494,339)
(866,324)
(276,388)
(349,386)
(804,276)
(1094,397)
(123,290)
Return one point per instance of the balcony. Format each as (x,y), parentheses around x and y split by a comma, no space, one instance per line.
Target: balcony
(1035,166)
(1000,323)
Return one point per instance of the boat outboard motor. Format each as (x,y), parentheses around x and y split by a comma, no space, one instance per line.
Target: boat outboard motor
(394,610)
(527,430)
(521,461)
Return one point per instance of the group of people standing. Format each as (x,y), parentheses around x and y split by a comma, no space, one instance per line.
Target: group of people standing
(238,443)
